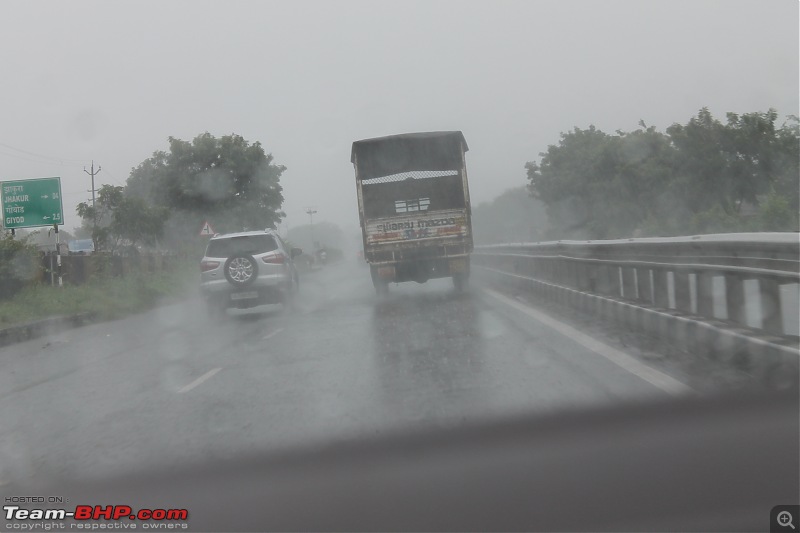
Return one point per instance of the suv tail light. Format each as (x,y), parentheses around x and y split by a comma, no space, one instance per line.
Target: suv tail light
(205,266)
(276,259)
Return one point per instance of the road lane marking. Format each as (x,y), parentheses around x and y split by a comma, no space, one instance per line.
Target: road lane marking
(208,375)
(270,335)
(623,360)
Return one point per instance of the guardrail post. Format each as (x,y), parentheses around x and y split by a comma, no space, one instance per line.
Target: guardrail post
(613,280)
(734,299)
(530,267)
(592,276)
(575,274)
(683,300)
(560,272)
(569,275)
(771,312)
(643,285)
(660,288)
(607,280)
(628,284)
(705,294)
(582,278)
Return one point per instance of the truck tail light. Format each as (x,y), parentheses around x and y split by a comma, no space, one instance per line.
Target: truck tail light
(386,272)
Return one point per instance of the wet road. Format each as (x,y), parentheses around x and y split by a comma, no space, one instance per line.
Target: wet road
(168,386)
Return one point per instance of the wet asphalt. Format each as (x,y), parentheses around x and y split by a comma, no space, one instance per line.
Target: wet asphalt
(171,386)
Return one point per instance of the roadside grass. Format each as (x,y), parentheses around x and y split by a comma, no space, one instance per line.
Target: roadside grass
(103,296)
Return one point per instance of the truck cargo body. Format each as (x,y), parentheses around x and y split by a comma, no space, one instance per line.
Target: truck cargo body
(414,209)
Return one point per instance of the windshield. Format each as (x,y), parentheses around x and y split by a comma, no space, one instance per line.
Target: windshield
(235,230)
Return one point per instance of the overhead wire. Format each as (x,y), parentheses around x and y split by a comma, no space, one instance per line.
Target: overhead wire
(28,154)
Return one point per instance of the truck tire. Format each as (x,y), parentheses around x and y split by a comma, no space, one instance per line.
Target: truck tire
(381,286)
(460,282)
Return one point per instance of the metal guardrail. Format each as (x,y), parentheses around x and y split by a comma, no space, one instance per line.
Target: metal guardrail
(749,280)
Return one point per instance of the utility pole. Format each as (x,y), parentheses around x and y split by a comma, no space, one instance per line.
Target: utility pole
(93,174)
(310,211)
(94,211)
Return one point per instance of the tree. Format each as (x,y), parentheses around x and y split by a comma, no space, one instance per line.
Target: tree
(698,177)
(229,182)
(98,216)
(18,265)
(118,219)
(787,163)
(750,149)
(570,178)
(728,165)
(701,178)
(776,214)
(597,185)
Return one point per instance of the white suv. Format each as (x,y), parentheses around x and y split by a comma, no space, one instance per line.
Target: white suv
(247,269)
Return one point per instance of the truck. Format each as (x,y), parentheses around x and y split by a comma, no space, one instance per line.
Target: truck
(414,207)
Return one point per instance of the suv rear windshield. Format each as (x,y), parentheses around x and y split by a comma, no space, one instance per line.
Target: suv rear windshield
(247,244)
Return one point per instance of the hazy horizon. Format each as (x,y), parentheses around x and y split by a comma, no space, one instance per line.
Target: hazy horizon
(112,81)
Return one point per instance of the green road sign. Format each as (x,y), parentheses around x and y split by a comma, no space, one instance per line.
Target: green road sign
(32,203)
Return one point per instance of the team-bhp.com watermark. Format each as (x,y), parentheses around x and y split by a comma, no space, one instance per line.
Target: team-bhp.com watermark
(86,517)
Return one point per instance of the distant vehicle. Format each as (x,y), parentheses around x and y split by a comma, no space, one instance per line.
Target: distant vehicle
(81,247)
(248,269)
(414,208)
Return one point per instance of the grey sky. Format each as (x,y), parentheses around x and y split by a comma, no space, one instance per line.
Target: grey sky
(112,80)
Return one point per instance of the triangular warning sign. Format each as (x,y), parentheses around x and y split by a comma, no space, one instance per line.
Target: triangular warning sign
(207,229)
